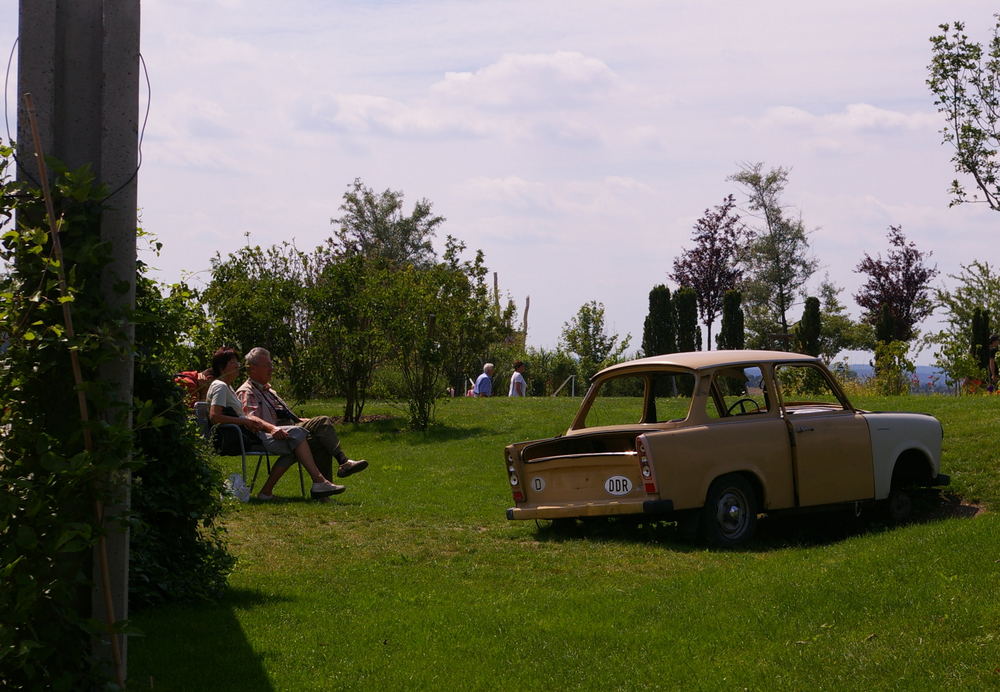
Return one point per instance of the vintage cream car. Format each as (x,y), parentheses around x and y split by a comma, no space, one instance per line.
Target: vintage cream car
(715,438)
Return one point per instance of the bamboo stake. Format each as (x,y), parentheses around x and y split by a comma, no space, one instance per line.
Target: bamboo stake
(74,357)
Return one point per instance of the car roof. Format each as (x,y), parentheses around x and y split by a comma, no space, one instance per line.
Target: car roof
(700,360)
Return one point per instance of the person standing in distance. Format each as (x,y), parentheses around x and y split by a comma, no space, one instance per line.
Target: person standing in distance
(484,385)
(518,387)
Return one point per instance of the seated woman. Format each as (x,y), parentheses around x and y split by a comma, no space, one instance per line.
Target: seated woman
(225,407)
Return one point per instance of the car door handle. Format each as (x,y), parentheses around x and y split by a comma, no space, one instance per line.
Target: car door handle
(804,429)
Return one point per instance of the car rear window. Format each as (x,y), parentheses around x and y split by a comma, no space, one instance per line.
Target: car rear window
(655,397)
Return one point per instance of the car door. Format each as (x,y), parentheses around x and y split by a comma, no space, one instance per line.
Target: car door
(737,429)
(831,446)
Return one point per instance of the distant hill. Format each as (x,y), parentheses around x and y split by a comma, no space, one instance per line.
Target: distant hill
(929,377)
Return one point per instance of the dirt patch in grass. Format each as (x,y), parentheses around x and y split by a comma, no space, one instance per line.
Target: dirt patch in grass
(949,506)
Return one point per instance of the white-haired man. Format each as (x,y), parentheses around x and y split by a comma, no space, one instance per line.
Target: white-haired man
(260,400)
(484,383)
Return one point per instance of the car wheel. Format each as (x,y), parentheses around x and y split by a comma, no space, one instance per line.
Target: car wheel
(898,506)
(729,516)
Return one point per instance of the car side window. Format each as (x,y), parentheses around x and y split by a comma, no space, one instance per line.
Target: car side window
(738,391)
(806,388)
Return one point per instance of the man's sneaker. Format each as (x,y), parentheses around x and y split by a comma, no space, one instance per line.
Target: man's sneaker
(350,466)
(326,489)
(264,497)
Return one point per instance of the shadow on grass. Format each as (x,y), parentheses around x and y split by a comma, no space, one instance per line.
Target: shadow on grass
(199,647)
(445,433)
(773,532)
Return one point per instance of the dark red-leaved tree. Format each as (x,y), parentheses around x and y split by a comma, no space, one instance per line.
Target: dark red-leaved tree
(710,267)
(898,285)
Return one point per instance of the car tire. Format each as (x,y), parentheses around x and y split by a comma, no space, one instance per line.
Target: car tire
(729,517)
(898,506)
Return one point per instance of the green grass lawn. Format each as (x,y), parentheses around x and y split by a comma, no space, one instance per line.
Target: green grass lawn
(413,579)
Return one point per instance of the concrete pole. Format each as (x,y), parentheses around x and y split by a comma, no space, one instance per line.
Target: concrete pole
(80,61)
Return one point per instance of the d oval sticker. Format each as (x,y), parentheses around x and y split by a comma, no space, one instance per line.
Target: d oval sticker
(618,485)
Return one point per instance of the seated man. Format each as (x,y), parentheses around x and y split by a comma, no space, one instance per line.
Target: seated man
(261,401)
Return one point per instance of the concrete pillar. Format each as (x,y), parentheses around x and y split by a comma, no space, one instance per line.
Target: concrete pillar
(80,61)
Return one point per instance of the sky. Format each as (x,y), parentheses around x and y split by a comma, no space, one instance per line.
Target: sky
(576,144)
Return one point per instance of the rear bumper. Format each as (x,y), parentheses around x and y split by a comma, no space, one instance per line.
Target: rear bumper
(591,509)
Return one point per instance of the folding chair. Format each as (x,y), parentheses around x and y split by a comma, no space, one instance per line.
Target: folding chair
(205,425)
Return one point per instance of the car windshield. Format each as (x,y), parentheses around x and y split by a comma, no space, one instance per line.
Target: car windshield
(647,397)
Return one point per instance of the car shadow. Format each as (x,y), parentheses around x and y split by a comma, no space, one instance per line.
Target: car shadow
(773,532)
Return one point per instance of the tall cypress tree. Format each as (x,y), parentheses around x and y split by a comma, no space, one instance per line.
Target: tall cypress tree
(980,337)
(731,334)
(659,330)
(688,334)
(808,333)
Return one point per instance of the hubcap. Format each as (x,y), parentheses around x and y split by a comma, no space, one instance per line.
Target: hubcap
(731,514)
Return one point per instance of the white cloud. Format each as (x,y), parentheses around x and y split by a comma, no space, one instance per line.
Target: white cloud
(855,118)
(544,97)
(554,81)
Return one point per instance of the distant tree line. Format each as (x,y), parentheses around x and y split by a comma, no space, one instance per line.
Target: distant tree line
(753,275)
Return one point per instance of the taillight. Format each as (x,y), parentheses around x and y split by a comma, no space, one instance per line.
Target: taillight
(644,468)
(515,484)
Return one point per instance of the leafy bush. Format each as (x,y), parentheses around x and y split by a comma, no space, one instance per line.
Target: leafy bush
(177,549)
(892,368)
(52,484)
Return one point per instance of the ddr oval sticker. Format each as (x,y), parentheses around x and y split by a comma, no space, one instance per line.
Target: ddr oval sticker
(538,484)
(618,485)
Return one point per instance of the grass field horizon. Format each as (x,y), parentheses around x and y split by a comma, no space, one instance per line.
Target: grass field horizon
(414,579)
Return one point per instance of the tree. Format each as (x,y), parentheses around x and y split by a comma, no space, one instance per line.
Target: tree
(838,332)
(547,370)
(776,257)
(437,314)
(892,368)
(478,325)
(979,341)
(256,298)
(585,336)
(688,334)
(711,267)
(807,334)
(374,225)
(966,90)
(978,288)
(659,330)
(346,300)
(886,325)
(900,284)
(731,333)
